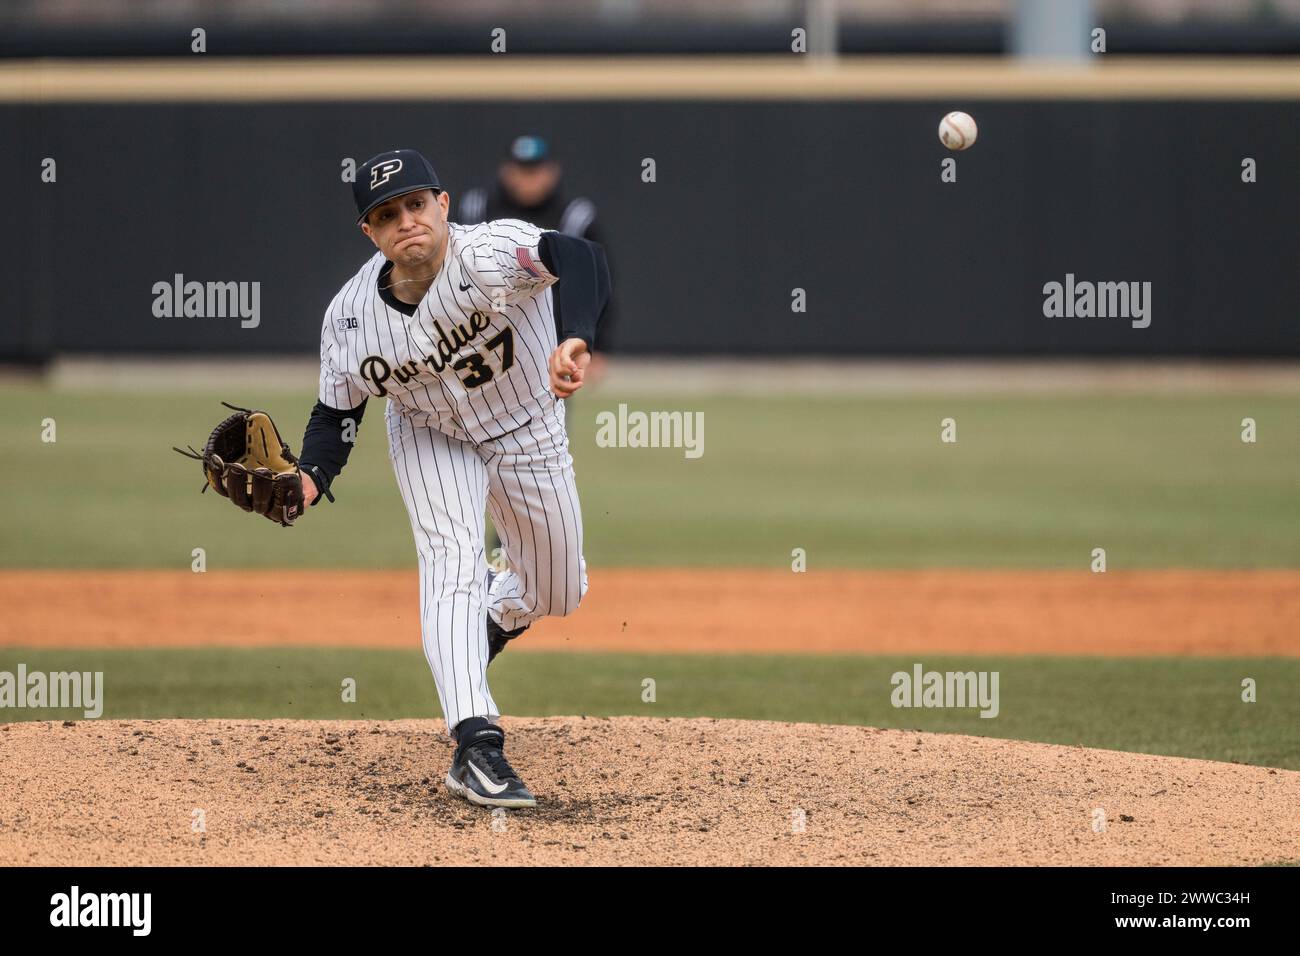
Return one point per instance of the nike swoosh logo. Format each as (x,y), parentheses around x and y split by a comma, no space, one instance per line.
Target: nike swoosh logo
(463,288)
(488,785)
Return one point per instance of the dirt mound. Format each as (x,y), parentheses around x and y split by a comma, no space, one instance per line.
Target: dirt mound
(619,791)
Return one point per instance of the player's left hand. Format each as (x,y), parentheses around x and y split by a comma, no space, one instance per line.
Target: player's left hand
(567,365)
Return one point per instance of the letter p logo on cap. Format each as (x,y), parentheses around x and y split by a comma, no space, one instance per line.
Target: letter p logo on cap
(384,171)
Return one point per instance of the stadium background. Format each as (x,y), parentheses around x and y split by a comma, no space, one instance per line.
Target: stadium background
(822,428)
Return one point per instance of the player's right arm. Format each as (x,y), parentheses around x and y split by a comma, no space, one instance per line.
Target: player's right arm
(335,419)
(529,260)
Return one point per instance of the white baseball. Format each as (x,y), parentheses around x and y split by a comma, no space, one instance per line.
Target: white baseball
(957,130)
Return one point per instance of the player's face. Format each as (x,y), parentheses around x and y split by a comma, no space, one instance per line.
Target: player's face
(409,229)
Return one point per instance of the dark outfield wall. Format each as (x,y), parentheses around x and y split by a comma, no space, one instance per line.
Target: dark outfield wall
(752,200)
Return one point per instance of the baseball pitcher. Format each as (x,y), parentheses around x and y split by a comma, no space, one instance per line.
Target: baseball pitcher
(475,335)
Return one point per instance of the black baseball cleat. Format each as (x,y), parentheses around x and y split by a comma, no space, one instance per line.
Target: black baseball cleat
(481,774)
(497,635)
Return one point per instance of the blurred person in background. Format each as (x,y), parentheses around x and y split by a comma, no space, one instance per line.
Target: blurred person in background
(529,187)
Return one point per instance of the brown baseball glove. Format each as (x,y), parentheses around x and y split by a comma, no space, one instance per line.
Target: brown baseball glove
(245,461)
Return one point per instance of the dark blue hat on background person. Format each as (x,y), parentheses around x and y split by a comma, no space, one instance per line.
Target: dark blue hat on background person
(529,150)
(394,173)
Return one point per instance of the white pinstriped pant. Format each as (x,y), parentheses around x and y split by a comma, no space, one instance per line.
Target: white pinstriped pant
(526,479)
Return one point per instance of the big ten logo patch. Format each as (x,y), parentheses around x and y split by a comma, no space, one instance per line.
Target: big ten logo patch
(347,324)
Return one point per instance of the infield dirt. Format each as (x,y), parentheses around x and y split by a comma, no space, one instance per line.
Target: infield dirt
(619,791)
(1243,613)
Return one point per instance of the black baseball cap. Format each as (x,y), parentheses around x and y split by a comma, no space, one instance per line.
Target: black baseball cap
(394,173)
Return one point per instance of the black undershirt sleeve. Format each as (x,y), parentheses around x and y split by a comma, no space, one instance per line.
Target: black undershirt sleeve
(582,292)
(324,450)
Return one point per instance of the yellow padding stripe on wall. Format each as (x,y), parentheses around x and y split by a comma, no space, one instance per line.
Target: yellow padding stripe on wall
(198,78)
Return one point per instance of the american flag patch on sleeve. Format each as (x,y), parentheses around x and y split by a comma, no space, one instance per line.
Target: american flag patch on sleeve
(525,260)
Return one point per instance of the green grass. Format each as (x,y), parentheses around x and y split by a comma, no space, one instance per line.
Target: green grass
(1182,707)
(856,481)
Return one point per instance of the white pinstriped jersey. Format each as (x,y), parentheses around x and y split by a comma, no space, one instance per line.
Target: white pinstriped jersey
(471,361)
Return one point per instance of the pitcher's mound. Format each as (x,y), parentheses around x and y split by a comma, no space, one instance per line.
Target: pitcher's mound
(621,790)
